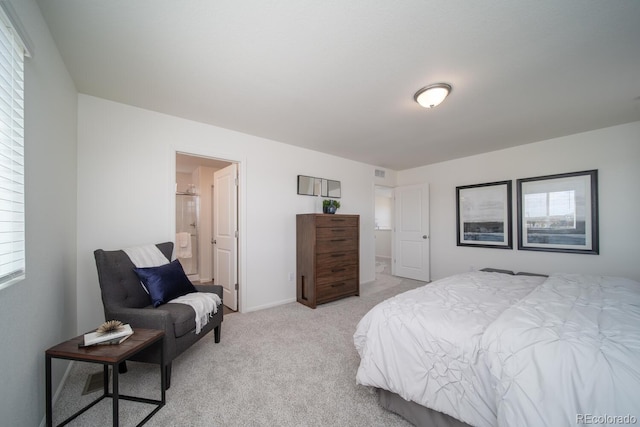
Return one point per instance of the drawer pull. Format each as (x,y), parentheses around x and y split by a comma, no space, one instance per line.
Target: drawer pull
(338,240)
(336,270)
(338,230)
(338,255)
(335,285)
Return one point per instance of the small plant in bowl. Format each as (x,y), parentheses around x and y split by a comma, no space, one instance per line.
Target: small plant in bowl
(330,206)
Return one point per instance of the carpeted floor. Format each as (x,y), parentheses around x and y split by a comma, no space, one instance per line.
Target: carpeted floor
(285,366)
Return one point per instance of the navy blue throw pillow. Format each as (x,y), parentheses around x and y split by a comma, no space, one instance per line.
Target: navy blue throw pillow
(166,282)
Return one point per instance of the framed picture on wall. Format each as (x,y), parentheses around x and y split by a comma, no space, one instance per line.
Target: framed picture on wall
(483,213)
(559,213)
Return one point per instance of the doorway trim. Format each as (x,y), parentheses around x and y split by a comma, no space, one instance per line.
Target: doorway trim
(241,161)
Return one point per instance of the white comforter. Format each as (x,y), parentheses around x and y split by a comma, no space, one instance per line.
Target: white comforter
(569,350)
(495,349)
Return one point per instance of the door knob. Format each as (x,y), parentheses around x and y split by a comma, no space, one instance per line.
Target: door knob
(425,236)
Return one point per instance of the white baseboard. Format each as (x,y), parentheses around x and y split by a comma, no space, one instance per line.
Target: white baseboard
(56,395)
(274,304)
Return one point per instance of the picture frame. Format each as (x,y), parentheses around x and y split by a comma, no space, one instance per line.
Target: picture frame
(484,215)
(312,186)
(309,185)
(559,213)
(331,188)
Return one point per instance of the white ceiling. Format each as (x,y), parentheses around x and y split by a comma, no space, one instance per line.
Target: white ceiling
(338,76)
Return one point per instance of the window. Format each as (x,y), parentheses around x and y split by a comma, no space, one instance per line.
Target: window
(12,230)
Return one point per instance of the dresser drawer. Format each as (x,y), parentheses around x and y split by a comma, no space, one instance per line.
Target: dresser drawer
(326,275)
(336,233)
(335,290)
(335,245)
(335,258)
(336,239)
(336,221)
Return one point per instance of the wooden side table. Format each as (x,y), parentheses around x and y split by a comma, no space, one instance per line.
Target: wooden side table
(107,355)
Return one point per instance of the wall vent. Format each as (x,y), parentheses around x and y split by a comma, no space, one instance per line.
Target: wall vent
(380,173)
(94,382)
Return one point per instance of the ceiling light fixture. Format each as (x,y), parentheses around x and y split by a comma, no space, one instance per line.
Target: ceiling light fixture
(432,95)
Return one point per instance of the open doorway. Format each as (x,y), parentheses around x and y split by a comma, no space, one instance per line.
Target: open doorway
(207,222)
(383,229)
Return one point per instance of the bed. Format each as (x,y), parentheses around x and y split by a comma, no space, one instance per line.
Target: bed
(489,348)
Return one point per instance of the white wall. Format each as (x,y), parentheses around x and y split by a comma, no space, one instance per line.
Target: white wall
(383,243)
(383,221)
(182,182)
(383,211)
(614,151)
(126,175)
(40,311)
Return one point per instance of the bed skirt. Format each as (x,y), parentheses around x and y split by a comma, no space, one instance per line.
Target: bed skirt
(417,415)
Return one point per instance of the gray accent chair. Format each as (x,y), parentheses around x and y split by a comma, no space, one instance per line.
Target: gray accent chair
(124,299)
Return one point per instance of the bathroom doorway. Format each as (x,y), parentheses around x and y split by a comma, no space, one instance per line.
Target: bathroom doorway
(195,220)
(383,229)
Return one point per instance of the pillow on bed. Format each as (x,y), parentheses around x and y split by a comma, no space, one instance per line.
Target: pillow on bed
(524,273)
(496,270)
(165,282)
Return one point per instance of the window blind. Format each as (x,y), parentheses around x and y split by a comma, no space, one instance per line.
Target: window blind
(12,223)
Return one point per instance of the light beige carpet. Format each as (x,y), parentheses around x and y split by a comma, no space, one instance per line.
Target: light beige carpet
(285,366)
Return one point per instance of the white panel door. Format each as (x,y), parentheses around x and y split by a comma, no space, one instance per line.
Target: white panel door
(411,236)
(225,239)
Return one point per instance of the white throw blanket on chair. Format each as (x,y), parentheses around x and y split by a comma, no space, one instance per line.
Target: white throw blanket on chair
(205,305)
(146,256)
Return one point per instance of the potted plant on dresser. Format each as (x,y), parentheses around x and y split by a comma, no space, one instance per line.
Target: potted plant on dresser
(330,206)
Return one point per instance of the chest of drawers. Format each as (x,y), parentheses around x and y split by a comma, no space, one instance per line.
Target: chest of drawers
(328,257)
